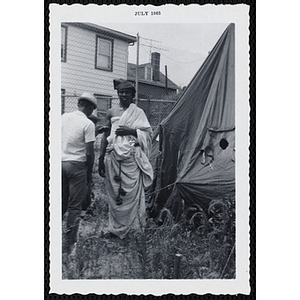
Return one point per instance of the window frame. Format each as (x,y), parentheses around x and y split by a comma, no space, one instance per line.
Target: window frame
(64,57)
(146,72)
(111,53)
(109,101)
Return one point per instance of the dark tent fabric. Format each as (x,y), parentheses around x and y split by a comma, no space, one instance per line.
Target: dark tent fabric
(194,148)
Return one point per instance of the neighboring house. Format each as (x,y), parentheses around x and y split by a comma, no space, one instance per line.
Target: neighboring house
(91,57)
(152,84)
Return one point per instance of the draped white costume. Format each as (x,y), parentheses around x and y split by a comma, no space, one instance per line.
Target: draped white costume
(127,157)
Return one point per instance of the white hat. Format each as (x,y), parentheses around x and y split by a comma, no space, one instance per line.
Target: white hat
(89,97)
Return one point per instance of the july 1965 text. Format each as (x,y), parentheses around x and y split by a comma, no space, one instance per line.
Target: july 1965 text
(147,13)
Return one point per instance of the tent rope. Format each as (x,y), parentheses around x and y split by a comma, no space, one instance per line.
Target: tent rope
(167,186)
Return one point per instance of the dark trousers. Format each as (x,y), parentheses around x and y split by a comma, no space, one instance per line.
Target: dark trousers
(74,189)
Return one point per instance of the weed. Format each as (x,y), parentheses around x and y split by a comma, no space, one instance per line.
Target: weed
(199,245)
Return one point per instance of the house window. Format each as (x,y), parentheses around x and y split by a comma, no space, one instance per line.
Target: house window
(148,73)
(104,102)
(63,48)
(104,50)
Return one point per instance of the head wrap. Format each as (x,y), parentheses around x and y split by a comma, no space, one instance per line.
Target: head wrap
(124,84)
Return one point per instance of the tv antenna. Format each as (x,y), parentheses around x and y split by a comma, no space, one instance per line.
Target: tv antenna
(151,46)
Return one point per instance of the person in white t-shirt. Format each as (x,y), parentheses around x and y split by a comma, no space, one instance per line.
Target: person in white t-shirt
(78,136)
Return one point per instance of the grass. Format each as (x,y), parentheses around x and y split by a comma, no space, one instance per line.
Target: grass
(205,242)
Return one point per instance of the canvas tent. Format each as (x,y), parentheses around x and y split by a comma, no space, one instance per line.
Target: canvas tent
(193,153)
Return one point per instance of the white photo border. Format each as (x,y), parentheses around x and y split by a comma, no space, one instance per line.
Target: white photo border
(238,14)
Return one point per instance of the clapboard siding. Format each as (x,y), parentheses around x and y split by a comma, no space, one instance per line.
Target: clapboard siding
(78,73)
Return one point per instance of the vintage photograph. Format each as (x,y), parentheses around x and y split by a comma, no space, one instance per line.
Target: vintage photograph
(149,137)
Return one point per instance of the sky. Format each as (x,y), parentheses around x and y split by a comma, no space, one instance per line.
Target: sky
(183,47)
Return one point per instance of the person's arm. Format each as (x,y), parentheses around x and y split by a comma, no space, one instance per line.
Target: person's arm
(125,130)
(100,129)
(104,144)
(89,148)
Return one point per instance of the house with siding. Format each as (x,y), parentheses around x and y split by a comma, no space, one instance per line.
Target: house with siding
(152,83)
(91,57)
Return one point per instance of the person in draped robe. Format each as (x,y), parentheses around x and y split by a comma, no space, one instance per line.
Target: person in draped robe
(124,163)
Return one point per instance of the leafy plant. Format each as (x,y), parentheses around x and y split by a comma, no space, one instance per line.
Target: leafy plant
(204,240)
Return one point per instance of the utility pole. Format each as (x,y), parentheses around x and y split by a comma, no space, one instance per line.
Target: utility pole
(166,77)
(137,69)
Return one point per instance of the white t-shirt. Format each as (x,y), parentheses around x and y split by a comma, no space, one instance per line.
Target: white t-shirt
(77,130)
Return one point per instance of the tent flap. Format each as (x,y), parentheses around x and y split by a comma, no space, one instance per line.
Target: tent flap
(197,139)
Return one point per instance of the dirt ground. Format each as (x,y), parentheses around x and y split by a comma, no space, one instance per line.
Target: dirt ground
(206,247)
(97,257)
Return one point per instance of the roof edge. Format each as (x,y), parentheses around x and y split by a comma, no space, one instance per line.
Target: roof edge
(103,30)
(154,83)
